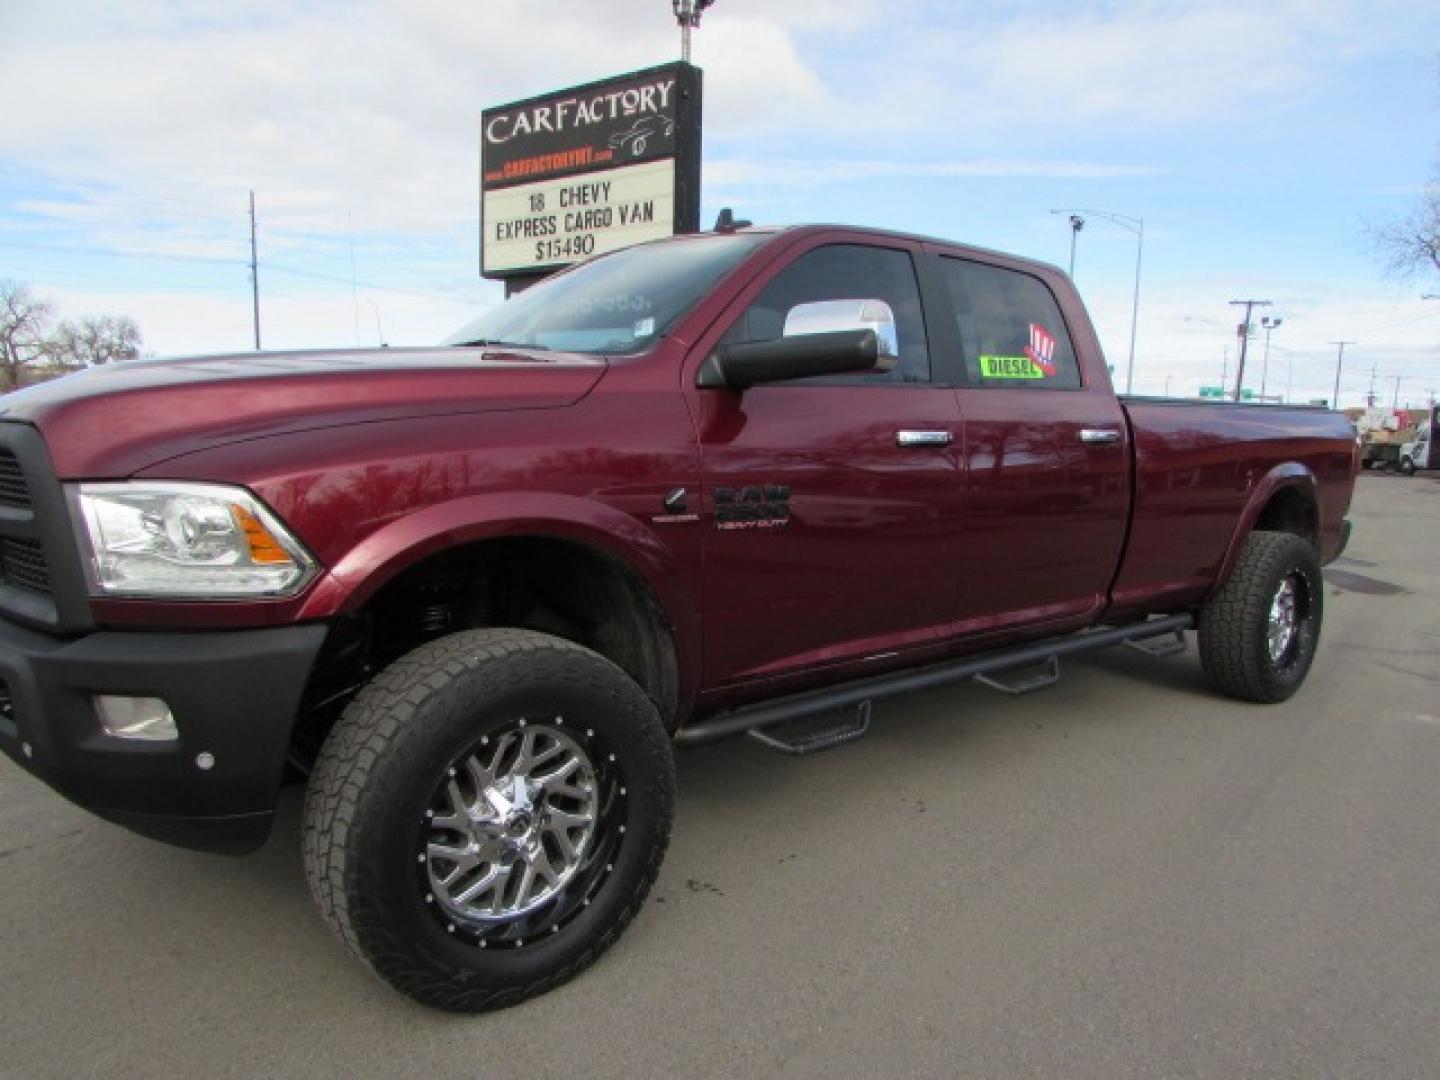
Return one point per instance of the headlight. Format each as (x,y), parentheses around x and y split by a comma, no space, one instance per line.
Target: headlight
(194,541)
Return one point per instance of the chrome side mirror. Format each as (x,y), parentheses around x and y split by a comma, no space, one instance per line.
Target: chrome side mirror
(830,316)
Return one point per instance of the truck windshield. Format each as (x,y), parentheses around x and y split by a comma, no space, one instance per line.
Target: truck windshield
(618,303)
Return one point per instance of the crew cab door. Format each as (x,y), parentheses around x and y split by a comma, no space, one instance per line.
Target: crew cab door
(1045,452)
(831,503)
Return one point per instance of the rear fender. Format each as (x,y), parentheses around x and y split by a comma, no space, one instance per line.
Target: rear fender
(1290,475)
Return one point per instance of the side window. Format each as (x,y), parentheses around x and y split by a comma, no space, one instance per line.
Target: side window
(1010,328)
(846,272)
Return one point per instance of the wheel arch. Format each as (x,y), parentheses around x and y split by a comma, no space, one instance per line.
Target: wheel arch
(1286,499)
(630,592)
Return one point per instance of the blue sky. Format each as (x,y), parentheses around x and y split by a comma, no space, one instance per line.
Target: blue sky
(1255,141)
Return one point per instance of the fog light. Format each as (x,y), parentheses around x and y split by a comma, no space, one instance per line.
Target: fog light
(145,718)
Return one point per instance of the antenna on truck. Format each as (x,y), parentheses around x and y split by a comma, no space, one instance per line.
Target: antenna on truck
(726,222)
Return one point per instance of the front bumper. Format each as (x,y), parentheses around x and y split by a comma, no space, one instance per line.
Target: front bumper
(1342,542)
(234,696)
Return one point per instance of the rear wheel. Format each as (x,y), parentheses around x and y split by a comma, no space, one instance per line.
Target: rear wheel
(1407,466)
(1258,635)
(488,816)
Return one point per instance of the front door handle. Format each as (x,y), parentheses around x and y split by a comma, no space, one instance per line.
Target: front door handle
(1099,436)
(923,438)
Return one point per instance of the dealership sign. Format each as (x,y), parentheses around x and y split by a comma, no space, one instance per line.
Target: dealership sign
(589,170)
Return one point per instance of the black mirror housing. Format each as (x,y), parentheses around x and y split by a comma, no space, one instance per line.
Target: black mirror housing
(800,357)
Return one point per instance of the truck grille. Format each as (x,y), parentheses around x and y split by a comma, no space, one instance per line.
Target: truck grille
(7,712)
(14,492)
(23,566)
(42,583)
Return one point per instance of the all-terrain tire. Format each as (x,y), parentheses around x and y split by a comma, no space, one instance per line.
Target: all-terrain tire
(1237,652)
(366,814)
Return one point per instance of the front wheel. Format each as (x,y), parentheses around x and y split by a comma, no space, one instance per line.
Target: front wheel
(1259,632)
(1407,466)
(488,816)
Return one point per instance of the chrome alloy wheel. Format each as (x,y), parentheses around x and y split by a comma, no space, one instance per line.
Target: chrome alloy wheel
(1285,619)
(511,824)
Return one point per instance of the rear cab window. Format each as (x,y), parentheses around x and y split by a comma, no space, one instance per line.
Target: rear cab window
(1011,331)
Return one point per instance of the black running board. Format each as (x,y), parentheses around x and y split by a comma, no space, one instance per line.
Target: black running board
(855,693)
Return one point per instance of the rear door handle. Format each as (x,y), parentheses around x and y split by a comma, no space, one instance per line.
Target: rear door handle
(1099,436)
(923,438)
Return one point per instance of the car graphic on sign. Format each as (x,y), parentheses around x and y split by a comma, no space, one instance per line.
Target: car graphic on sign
(635,137)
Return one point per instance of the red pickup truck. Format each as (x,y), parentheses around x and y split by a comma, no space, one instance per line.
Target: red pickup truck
(725,483)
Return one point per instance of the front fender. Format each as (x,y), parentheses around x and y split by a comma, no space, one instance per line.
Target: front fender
(1289,475)
(389,551)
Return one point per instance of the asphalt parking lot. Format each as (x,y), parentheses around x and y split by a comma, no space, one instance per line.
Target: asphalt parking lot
(1123,876)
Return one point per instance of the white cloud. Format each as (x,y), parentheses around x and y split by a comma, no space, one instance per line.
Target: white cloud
(329,108)
(790,172)
(153,118)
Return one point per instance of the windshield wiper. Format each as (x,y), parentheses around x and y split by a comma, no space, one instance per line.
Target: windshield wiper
(496,342)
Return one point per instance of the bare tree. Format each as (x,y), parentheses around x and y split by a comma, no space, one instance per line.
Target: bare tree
(24,321)
(1410,246)
(100,339)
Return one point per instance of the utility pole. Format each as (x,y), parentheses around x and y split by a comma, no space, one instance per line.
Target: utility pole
(354,288)
(1076,224)
(1339,363)
(1224,367)
(1370,394)
(1395,401)
(254,273)
(1250,305)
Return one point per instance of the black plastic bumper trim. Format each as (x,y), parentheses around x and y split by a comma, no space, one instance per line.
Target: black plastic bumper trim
(234,696)
(1345,527)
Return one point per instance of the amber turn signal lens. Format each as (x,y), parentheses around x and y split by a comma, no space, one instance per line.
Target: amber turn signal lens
(264,548)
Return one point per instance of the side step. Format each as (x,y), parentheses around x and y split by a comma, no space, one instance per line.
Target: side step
(767,714)
(814,742)
(1042,680)
(1161,649)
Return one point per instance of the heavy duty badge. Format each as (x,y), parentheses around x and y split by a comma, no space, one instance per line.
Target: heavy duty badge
(756,506)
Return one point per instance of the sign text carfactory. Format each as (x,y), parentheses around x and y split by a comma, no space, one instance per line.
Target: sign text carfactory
(589,170)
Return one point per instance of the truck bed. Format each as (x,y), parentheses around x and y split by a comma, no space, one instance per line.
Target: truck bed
(1199,467)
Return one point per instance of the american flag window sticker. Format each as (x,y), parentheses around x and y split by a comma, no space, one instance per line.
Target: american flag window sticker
(1042,350)
(1037,363)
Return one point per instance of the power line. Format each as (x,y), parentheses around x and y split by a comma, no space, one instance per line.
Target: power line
(296,271)
(42,279)
(215,260)
(76,249)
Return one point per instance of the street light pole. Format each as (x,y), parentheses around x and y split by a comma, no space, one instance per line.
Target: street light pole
(1076,224)
(1270,326)
(687,14)
(1137,226)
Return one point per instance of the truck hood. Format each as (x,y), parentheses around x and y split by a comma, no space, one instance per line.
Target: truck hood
(114,420)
